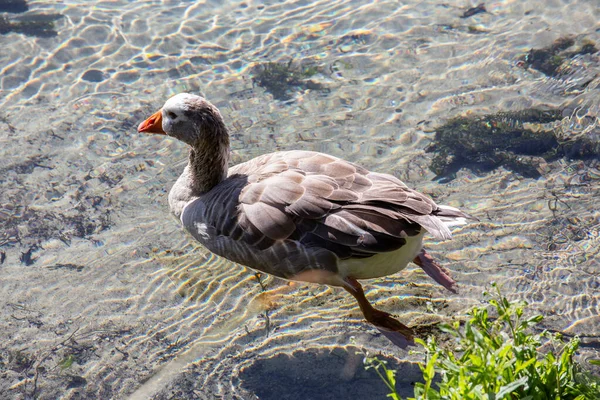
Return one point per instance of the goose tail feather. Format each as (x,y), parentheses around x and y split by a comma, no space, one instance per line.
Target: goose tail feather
(451,216)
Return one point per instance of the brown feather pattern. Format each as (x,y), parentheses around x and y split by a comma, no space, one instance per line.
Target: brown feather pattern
(317,201)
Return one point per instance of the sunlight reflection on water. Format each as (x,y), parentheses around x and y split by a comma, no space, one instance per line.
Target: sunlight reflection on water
(151,313)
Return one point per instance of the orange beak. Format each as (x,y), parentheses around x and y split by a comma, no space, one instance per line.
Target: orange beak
(153,124)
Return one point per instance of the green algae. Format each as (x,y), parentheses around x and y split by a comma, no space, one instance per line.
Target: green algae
(521,141)
(283,79)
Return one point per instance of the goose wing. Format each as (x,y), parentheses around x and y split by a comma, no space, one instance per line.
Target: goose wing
(319,201)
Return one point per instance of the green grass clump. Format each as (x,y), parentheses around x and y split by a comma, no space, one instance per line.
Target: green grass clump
(499,358)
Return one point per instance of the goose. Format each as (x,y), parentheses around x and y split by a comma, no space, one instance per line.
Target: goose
(300,215)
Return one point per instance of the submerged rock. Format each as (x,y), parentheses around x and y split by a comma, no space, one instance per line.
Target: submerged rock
(39,25)
(93,75)
(480,8)
(13,6)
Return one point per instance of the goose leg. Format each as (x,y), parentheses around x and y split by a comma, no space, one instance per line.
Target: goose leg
(432,268)
(398,333)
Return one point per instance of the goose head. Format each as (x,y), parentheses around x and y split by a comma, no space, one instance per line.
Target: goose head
(187,117)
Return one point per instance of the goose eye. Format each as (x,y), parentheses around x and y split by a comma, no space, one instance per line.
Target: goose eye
(171,115)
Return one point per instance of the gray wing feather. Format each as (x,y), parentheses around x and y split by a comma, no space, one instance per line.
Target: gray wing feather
(269,220)
(314,202)
(341,196)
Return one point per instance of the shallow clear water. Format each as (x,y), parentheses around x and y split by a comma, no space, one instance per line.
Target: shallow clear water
(102,295)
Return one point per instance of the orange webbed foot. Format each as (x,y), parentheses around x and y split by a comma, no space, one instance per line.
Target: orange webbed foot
(398,333)
(432,268)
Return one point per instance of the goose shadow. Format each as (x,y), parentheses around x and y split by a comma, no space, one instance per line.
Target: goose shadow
(324,373)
